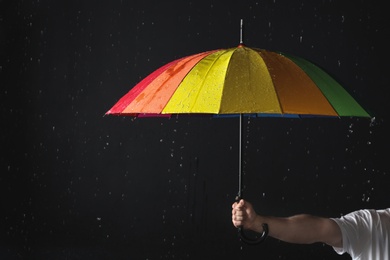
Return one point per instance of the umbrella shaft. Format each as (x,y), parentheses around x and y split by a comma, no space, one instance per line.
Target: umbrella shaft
(239,195)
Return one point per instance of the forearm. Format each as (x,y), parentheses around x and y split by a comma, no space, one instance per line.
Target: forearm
(300,229)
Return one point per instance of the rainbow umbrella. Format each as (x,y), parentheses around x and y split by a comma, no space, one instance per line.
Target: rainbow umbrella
(239,81)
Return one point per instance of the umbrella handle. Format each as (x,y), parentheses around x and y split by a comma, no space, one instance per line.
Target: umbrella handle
(253,241)
(241,234)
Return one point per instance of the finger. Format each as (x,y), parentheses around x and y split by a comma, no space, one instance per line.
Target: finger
(238,211)
(238,206)
(238,217)
(237,222)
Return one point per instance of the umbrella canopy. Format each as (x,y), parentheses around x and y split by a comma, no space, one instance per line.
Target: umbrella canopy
(238,81)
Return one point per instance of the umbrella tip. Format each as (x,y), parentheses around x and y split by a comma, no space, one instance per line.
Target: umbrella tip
(241,28)
(241,34)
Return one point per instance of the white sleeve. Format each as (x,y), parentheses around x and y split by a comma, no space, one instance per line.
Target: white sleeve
(356,232)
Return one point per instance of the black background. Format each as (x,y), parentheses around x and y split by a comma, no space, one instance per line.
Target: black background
(76,184)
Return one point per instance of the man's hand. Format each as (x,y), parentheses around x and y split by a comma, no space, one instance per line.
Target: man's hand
(243,215)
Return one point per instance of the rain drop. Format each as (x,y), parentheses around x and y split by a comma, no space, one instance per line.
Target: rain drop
(372,122)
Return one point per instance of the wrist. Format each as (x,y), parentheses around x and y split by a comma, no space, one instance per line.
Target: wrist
(257,224)
(262,224)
